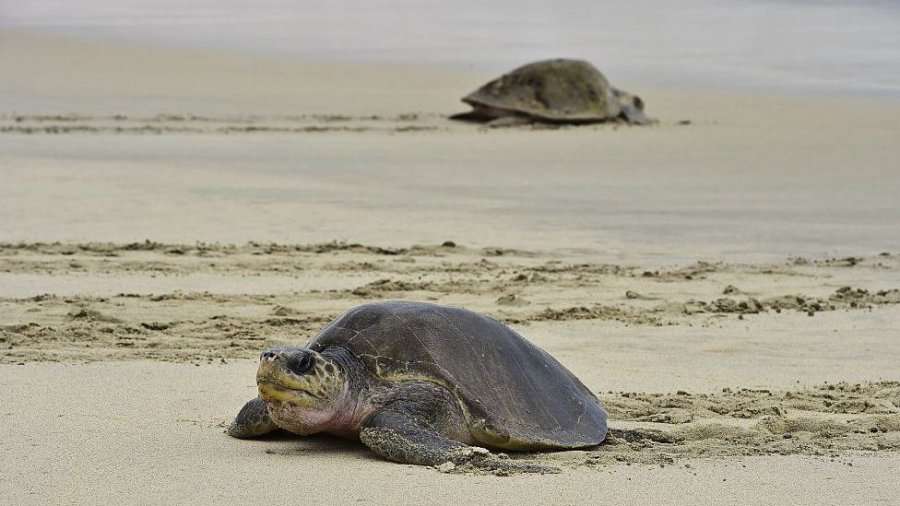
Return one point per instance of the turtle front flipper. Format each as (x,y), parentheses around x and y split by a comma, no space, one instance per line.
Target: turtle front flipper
(411,432)
(252,421)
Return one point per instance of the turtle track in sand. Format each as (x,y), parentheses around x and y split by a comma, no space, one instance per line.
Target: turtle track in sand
(135,301)
(834,422)
(188,124)
(205,302)
(828,420)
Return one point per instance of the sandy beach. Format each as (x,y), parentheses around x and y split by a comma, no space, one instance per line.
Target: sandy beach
(727,281)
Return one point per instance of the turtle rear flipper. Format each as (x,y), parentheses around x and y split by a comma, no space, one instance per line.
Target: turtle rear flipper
(492,119)
(473,116)
(510,121)
(252,421)
(479,114)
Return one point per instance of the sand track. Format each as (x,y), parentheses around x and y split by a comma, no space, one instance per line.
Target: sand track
(176,124)
(129,301)
(828,421)
(138,300)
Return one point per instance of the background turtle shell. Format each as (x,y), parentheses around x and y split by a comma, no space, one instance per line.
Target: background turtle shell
(553,90)
(517,395)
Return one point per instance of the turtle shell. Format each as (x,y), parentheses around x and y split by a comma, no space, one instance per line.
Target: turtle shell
(515,395)
(559,90)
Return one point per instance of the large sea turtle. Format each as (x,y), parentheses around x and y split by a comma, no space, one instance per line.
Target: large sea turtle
(558,91)
(424,384)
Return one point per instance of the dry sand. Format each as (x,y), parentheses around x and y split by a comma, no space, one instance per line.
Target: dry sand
(729,288)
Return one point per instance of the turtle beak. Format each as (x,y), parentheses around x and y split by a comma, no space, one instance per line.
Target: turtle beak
(285,365)
(284,375)
(268,365)
(269,355)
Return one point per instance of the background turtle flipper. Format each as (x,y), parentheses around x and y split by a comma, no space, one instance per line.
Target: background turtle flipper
(478,114)
(252,421)
(510,121)
(474,115)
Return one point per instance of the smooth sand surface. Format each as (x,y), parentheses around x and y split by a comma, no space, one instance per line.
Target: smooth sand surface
(150,432)
(754,250)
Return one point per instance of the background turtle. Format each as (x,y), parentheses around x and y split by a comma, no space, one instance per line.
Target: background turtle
(424,384)
(552,91)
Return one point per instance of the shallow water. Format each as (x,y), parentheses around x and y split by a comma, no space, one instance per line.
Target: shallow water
(790,45)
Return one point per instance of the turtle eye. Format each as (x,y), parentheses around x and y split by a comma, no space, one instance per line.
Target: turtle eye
(301,364)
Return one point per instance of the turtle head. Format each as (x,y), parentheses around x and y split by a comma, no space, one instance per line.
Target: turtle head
(305,391)
(632,107)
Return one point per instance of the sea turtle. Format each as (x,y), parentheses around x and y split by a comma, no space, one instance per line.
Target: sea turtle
(560,91)
(424,384)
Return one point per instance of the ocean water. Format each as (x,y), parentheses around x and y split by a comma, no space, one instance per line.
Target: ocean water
(827,46)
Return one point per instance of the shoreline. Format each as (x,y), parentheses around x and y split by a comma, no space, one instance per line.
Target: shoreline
(436,86)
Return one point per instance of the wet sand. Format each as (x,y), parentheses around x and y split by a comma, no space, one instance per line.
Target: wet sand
(234,148)
(728,287)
